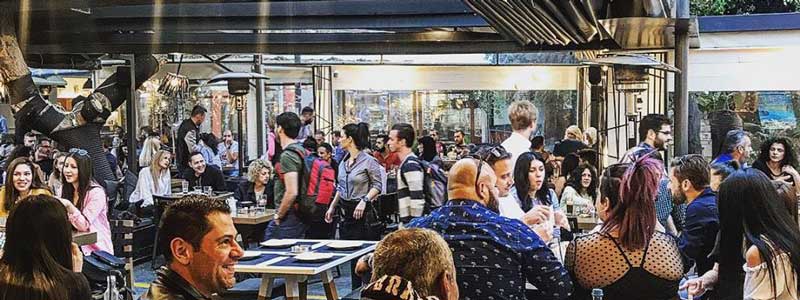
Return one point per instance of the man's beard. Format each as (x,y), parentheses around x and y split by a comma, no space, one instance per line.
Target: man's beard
(678,199)
(493,204)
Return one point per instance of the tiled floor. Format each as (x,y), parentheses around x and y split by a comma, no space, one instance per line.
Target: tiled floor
(143,275)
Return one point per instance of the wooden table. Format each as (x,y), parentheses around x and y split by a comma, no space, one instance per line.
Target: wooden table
(295,276)
(84,238)
(251,227)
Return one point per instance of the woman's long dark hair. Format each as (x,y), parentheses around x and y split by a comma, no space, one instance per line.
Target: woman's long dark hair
(428,148)
(11,193)
(211,141)
(360,134)
(523,186)
(85,173)
(635,214)
(575,180)
(750,209)
(789,157)
(37,255)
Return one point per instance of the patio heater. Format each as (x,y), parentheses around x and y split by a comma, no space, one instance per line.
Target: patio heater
(631,81)
(238,87)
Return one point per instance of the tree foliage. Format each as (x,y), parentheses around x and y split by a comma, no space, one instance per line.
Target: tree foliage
(741,7)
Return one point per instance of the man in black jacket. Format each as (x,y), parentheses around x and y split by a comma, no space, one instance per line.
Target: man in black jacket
(201,174)
(187,137)
(197,236)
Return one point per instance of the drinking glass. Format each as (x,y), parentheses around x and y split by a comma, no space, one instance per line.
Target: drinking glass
(208,190)
(198,190)
(184,186)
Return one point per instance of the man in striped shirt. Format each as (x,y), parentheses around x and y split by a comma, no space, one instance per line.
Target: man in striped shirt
(410,197)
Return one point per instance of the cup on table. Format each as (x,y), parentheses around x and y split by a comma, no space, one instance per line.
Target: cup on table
(297,249)
(208,190)
(184,186)
(198,190)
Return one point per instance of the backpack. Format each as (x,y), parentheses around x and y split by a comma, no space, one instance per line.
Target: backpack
(434,185)
(318,173)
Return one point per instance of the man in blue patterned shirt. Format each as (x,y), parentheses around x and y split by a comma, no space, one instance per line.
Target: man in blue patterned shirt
(494,256)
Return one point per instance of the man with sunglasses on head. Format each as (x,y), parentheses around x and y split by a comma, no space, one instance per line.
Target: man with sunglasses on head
(494,256)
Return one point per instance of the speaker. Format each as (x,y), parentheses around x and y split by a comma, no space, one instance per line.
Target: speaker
(595,75)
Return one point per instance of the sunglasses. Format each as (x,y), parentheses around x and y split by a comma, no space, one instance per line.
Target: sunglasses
(78,151)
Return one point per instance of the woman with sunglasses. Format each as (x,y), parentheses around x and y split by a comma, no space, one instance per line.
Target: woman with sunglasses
(85,200)
(21,181)
(153,180)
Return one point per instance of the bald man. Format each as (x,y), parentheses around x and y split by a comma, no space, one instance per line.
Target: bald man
(494,255)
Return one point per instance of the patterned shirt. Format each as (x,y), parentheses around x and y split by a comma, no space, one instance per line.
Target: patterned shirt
(495,256)
(410,196)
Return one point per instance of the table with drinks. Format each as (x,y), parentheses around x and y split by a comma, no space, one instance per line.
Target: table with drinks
(297,259)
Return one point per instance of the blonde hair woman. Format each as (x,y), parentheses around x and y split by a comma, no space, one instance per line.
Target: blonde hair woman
(255,188)
(152,144)
(153,180)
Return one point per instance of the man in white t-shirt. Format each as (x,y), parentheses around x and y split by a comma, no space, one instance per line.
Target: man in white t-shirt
(522,116)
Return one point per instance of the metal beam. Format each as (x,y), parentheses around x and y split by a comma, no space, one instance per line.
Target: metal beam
(82,24)
(681,120)
(319,48)
(182,9)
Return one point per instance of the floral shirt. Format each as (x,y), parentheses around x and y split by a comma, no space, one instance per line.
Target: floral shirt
(495,256)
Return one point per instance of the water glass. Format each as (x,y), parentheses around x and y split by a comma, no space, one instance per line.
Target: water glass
(198,190)
(184,186)
(208,190)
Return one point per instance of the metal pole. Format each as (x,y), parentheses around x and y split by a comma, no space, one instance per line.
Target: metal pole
(242,155)
(260,124)
(130,106)
(681,127)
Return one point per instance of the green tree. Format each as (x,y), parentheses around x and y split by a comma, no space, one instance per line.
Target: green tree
(741,7)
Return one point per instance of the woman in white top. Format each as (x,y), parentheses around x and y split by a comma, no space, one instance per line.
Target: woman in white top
(150,146)
(751,214)
(153,180)
(581,190)
(531,201)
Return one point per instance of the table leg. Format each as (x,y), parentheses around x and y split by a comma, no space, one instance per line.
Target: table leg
(329,285)
(292,287)
(303,287)
(265,289)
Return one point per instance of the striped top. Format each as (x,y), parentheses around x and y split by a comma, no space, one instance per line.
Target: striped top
(410,198)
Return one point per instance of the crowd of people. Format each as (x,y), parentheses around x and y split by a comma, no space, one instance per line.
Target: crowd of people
(714,229)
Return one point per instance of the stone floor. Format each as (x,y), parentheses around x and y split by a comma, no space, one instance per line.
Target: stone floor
(143,275)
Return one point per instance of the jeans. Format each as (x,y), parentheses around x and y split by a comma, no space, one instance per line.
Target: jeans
(290,228)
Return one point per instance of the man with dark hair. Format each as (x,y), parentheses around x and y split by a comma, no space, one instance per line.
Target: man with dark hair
(387,158)
(307,117)
(737,146)
(537,144)
(43,155)
(655,131)
(689,184)
(461,149)
(319,136)
(187,137)
(29,140)
(198,239)
(201,175)
(338,151)
(410,196)
(289,182)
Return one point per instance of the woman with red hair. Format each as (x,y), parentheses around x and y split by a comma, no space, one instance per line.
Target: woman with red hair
(630,256)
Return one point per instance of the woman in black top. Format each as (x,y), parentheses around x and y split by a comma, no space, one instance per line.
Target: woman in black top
(39,259)
(778,160)
(630,256)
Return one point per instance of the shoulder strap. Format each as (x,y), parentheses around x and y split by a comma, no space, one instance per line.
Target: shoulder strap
(627,261)
(302,169)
